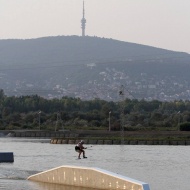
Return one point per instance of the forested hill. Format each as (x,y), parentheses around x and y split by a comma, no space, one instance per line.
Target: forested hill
(75,49)
(92,67)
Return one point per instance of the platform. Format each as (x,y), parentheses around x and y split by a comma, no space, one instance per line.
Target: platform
(88,177)
(6,157)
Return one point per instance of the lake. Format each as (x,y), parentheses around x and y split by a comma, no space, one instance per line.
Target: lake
(162,167)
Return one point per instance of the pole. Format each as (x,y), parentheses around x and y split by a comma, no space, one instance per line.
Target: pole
(56,122)
(39,119)
(109,121)
(178,125)
(122,115)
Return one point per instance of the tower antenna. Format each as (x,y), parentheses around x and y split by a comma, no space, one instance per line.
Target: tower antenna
(83,22)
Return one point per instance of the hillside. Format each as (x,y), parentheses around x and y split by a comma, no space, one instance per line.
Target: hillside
(72,65)
(72,49)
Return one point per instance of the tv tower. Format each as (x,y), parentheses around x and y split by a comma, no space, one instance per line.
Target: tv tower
(83,22)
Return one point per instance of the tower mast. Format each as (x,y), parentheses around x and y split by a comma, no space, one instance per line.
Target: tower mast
(83,22)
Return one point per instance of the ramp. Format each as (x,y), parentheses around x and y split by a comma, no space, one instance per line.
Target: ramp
(88,177)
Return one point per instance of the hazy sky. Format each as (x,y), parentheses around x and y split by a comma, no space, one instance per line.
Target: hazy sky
(158,23)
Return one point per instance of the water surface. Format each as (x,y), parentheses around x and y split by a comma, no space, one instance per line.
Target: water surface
(163,167)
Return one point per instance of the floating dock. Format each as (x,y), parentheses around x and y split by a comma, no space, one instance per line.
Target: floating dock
(6,157)
(88,177)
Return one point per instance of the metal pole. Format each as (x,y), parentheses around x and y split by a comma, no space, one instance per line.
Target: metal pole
(109,121)
(56,123)
(178,125)
(122,115)
(39,120)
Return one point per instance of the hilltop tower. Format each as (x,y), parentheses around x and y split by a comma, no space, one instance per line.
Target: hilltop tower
(83,22)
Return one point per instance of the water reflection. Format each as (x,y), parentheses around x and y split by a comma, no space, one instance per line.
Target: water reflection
(49,186)
(16,184)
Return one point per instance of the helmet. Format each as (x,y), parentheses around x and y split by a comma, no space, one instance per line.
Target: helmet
(82,142)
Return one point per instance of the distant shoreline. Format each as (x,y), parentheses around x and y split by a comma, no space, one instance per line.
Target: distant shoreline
(119,142)
(106,137)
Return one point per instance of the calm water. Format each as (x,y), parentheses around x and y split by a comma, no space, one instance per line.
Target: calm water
(163,167)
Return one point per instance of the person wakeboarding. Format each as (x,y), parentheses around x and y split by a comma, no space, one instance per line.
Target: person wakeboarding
(80,149)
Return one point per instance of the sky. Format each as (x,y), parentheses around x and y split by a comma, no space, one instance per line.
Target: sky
(159,23)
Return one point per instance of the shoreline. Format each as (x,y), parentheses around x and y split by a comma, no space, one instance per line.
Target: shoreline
(119,142)
(105,137)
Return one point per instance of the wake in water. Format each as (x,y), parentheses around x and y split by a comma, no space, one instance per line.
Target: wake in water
(16,179)
(14,174)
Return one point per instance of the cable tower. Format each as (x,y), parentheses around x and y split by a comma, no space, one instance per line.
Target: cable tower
(58,121)
(83,22)
(122,114)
